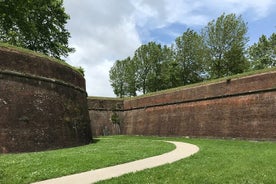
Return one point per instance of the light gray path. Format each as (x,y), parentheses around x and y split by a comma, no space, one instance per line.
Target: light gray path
(181,151)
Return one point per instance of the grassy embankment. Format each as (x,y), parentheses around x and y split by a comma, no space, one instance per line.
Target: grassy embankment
(218,161)
(29,167)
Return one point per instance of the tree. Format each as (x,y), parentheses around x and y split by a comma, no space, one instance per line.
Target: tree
(130,78)
(117,75)
(156,57)
(115,119)
(148,59)
(35,25)
(190,57)
(226,39)
(168,75)
(123,77)
(263,54)
(148,71)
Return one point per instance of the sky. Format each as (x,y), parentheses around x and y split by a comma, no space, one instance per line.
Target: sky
(103,31)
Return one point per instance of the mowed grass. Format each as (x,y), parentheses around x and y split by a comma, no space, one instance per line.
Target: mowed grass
(29,167)
(217,162)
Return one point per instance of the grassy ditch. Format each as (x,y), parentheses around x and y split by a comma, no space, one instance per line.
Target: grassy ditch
(30,167)
(218,161)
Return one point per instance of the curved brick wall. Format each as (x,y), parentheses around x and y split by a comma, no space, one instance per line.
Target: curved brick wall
(237,108)
(43,104)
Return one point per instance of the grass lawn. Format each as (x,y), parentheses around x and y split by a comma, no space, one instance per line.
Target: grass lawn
(218,161)
(29,167)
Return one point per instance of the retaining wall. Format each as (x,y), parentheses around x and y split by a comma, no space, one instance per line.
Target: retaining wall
(101,111)
(43,104)
(237,108)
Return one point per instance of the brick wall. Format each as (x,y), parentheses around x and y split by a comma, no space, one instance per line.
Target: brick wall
(100,111)
(237,108)
(43,104)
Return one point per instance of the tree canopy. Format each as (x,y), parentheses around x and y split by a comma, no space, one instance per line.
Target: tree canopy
(263,53)
(35,25)
(190,57)
(118,75)
(145,72)
(225,39)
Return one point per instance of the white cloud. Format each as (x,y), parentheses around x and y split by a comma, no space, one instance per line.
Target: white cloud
(101,32)
(159,13)
(257,9)
(261,8)
(97,79)
(183,12)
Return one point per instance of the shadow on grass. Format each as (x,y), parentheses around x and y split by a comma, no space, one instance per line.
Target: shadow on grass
(95,140)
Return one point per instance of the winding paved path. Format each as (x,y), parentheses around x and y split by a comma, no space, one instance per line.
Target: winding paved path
(181,151)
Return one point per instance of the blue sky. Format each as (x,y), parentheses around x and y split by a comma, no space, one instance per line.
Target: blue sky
(161,35)
(103,31)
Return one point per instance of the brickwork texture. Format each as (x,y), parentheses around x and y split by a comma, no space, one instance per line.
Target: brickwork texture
(43,104)
(242,108)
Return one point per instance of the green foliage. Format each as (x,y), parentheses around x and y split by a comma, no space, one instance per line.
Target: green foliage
(154,68)
(122,78)
(149,60)
(80,70)
(225,41)
(168,76)
(35,25)
(115,119)
(263,54)
(145,72)
(190,58)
